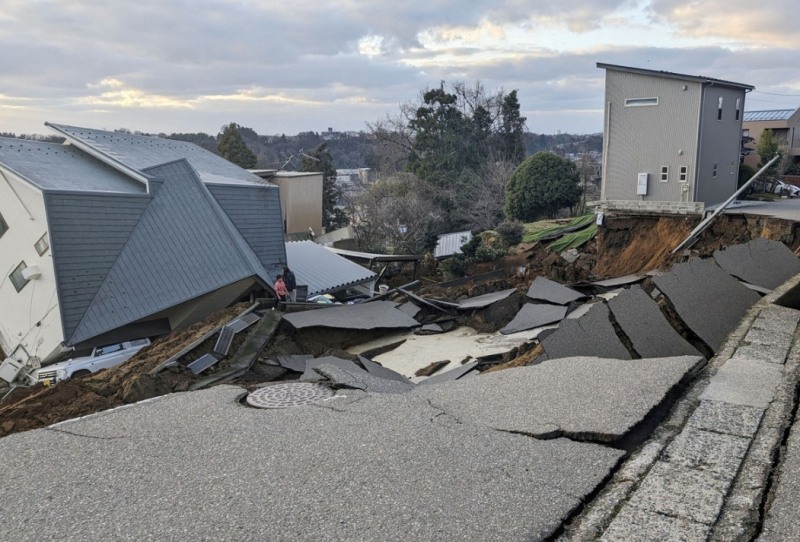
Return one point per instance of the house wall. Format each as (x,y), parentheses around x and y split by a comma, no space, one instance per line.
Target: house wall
(301,201)
(720,145)
(29,318)
(788,131)
(642,139)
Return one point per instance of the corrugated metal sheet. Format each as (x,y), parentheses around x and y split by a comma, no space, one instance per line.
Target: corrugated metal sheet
(772,114)
(322,270)
(183,246)
(52,166)
(450,243)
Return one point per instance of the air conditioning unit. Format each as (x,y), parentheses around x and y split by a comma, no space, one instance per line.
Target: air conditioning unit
(32,272)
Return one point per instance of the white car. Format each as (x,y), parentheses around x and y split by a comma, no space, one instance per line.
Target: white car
(100,358)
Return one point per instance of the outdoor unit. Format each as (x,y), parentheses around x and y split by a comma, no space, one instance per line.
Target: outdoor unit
(31,273)
(641,184)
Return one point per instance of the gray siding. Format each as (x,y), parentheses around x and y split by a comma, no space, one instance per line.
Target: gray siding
(256,214)
(720,144)
(182,247)
(87,233)
(645,138)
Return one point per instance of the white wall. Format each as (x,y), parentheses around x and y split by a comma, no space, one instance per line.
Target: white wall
(30,317)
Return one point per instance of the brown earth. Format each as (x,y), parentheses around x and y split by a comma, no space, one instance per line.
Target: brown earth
(624,246)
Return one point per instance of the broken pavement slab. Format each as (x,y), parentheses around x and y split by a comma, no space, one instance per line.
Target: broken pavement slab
(378,370)
(543,289)
(452,374)
(172,469)
(311,375)
(339,376)
(533,315)
(586,398)
(482,301)
(645,325)
(590,335)
(761,262)
(362,316)
(708,300)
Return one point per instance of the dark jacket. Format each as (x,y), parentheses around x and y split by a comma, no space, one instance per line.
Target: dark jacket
(288,278)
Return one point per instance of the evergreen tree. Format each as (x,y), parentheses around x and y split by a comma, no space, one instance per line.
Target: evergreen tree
(541,186)
(512,130)
(233,148)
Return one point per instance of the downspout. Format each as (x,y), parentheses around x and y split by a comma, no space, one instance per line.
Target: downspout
(606,142)
(696,173)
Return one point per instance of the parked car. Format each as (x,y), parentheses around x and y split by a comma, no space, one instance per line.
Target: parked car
(785,189)
(100,358)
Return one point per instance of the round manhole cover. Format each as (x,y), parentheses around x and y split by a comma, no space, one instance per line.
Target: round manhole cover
(290,394)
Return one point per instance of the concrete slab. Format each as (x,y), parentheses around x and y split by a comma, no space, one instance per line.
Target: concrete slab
(762,262)
(409,308)
(340,377)
(618,281)
(533,315)
(311,375)
(579,311)
(376,315)
(707,299)
(452,374)
(636,525)
(543,289)
(296,363)
(485,300)
(782,522)
(768,353)
(171,469)
(741,420)
(588,398)
(376,369)
(677,491)
(708,450)
(590,335)
(645,325)
(744,382)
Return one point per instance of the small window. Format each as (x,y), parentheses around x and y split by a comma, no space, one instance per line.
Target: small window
(719,109)
(3,226)
(714,171)
(664,174)
(42,245)
(738,107)
(684,171)
(733,168)
(639,102)
(16,277)
(746,132)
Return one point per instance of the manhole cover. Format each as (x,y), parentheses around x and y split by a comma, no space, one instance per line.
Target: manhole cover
(290,394)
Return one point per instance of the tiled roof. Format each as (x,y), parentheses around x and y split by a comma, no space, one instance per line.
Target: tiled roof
(322,270)
(772,114)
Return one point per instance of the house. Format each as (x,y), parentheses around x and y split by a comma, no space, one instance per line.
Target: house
(301,199)
(112,236)
(671,141)
(449,244)
(784,123)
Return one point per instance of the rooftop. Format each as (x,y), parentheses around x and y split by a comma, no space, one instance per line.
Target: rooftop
(770,114)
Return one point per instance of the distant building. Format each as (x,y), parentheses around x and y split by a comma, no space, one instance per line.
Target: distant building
(672,141)
(301,199)
(353,180)
(784,123)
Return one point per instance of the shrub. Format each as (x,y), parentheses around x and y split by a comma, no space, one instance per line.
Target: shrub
(455,267)
(486,254)
(510,232)
(469,248)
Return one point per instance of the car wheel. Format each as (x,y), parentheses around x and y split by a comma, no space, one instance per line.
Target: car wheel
(82,372)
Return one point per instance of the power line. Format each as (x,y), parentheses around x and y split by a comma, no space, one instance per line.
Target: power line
(775,93)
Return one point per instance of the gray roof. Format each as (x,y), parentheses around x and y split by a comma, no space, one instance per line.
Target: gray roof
(772,114)
(450,243)
(142,152)
(322,270)
(182,246)
(53,166)
(673,75)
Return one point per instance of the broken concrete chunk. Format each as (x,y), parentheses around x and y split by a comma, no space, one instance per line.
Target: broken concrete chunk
(760,262)
(429,329)
(310,375)
(618,281)
(709,301)
(485,300)
(534,315)
(295,363)
(342,377)
(543,289)
(590,335)
(409,308)
(432,368)
(377,315)
(452,374)
(645,325)
(376,369)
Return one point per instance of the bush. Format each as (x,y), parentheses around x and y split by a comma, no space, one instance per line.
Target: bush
(455,267)
(745,172)
(486,254)
(469,248)
(510,232)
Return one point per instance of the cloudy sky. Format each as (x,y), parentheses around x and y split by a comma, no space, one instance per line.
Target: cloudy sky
(290,66)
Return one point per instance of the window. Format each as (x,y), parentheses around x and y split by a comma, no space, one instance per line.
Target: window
(719,109)
(738,107)
(664,174)
(683,176)
(16,277)
(733,167)
(42,245)
(3,226)
(639,102)
(714,171)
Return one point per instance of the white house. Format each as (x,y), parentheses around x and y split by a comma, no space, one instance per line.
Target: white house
(113,236)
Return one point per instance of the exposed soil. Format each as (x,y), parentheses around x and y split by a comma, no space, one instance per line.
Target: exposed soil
(624,246)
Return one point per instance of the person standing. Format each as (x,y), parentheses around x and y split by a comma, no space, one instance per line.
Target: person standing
(291,284)
(280,288)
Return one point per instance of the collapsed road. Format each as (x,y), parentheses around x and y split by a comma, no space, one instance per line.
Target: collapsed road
(523,453)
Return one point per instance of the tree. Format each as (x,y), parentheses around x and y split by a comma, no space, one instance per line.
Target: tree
(233,148)
(767,147)
(320,159)
(541,186)
(512,129)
